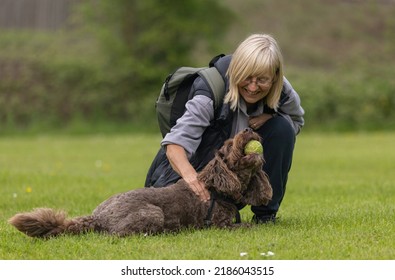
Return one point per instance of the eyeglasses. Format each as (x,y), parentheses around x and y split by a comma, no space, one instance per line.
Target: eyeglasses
(260,82)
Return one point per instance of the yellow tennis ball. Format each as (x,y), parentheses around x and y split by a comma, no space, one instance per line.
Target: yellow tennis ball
(253,147)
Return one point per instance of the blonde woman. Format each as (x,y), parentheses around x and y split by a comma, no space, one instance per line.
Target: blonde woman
(257,96)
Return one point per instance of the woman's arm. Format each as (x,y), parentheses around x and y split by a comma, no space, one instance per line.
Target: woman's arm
(290,107)
(184,138)
(190,127)
(257,121)
(180,163)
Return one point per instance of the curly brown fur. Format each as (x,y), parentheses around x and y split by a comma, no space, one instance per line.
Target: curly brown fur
(231,174)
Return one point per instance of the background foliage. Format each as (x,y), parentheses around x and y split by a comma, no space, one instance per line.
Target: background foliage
(106,66)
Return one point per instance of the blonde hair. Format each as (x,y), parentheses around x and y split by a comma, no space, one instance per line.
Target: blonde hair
(257,55)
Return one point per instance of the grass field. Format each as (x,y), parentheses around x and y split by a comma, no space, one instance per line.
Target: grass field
(339,204)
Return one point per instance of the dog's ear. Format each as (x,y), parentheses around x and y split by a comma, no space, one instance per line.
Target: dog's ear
(217,176)
(259,191)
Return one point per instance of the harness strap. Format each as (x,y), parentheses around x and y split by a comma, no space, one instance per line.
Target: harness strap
(213,197)
(207,220)
(238,218)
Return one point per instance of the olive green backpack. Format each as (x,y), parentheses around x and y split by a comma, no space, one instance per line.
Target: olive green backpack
(176,91)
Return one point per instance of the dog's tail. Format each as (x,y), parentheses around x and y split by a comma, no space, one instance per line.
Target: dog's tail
(46,222)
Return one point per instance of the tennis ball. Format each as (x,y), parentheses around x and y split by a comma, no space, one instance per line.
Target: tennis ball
(253,147)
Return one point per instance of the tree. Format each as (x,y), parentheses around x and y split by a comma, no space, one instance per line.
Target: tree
(143,41)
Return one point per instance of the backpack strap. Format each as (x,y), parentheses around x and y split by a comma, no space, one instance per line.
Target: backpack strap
(216,83)
(215,59)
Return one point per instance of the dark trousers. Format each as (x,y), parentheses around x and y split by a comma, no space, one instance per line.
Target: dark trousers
(278,141)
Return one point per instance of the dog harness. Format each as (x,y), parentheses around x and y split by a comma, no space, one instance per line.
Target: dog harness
(214,196)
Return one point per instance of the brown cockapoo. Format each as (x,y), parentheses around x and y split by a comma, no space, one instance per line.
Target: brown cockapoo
(232,177)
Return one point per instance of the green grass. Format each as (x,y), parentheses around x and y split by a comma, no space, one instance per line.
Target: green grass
(339,204)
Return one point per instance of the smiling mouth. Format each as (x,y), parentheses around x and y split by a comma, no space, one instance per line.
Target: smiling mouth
(252,93)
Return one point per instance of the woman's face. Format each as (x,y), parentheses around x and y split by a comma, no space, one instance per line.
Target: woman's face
(254,89)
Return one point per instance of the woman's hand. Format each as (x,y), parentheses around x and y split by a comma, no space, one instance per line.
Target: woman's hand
(198,187)
(257,121)
(180,163)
